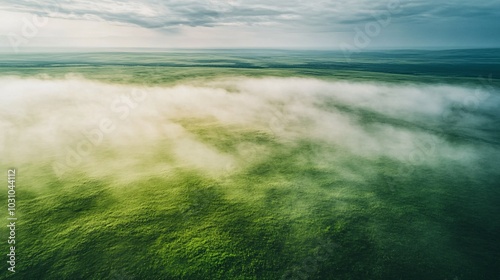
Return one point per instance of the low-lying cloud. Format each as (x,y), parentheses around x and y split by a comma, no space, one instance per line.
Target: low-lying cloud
(71,123)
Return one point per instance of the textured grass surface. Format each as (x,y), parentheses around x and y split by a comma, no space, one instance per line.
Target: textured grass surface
(253,201)
(259,221)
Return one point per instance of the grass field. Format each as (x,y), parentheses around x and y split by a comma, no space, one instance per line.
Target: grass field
(167,172)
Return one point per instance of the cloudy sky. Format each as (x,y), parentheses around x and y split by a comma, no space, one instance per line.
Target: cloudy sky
(322,24)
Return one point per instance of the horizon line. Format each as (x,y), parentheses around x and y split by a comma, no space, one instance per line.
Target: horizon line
(156,49)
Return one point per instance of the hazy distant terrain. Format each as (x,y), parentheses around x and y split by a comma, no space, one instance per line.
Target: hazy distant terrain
(254,164)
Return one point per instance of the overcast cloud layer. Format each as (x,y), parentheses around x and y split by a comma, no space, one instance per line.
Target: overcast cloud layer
(292,23)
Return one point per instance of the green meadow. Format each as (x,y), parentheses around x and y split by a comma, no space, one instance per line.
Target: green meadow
(249,170)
